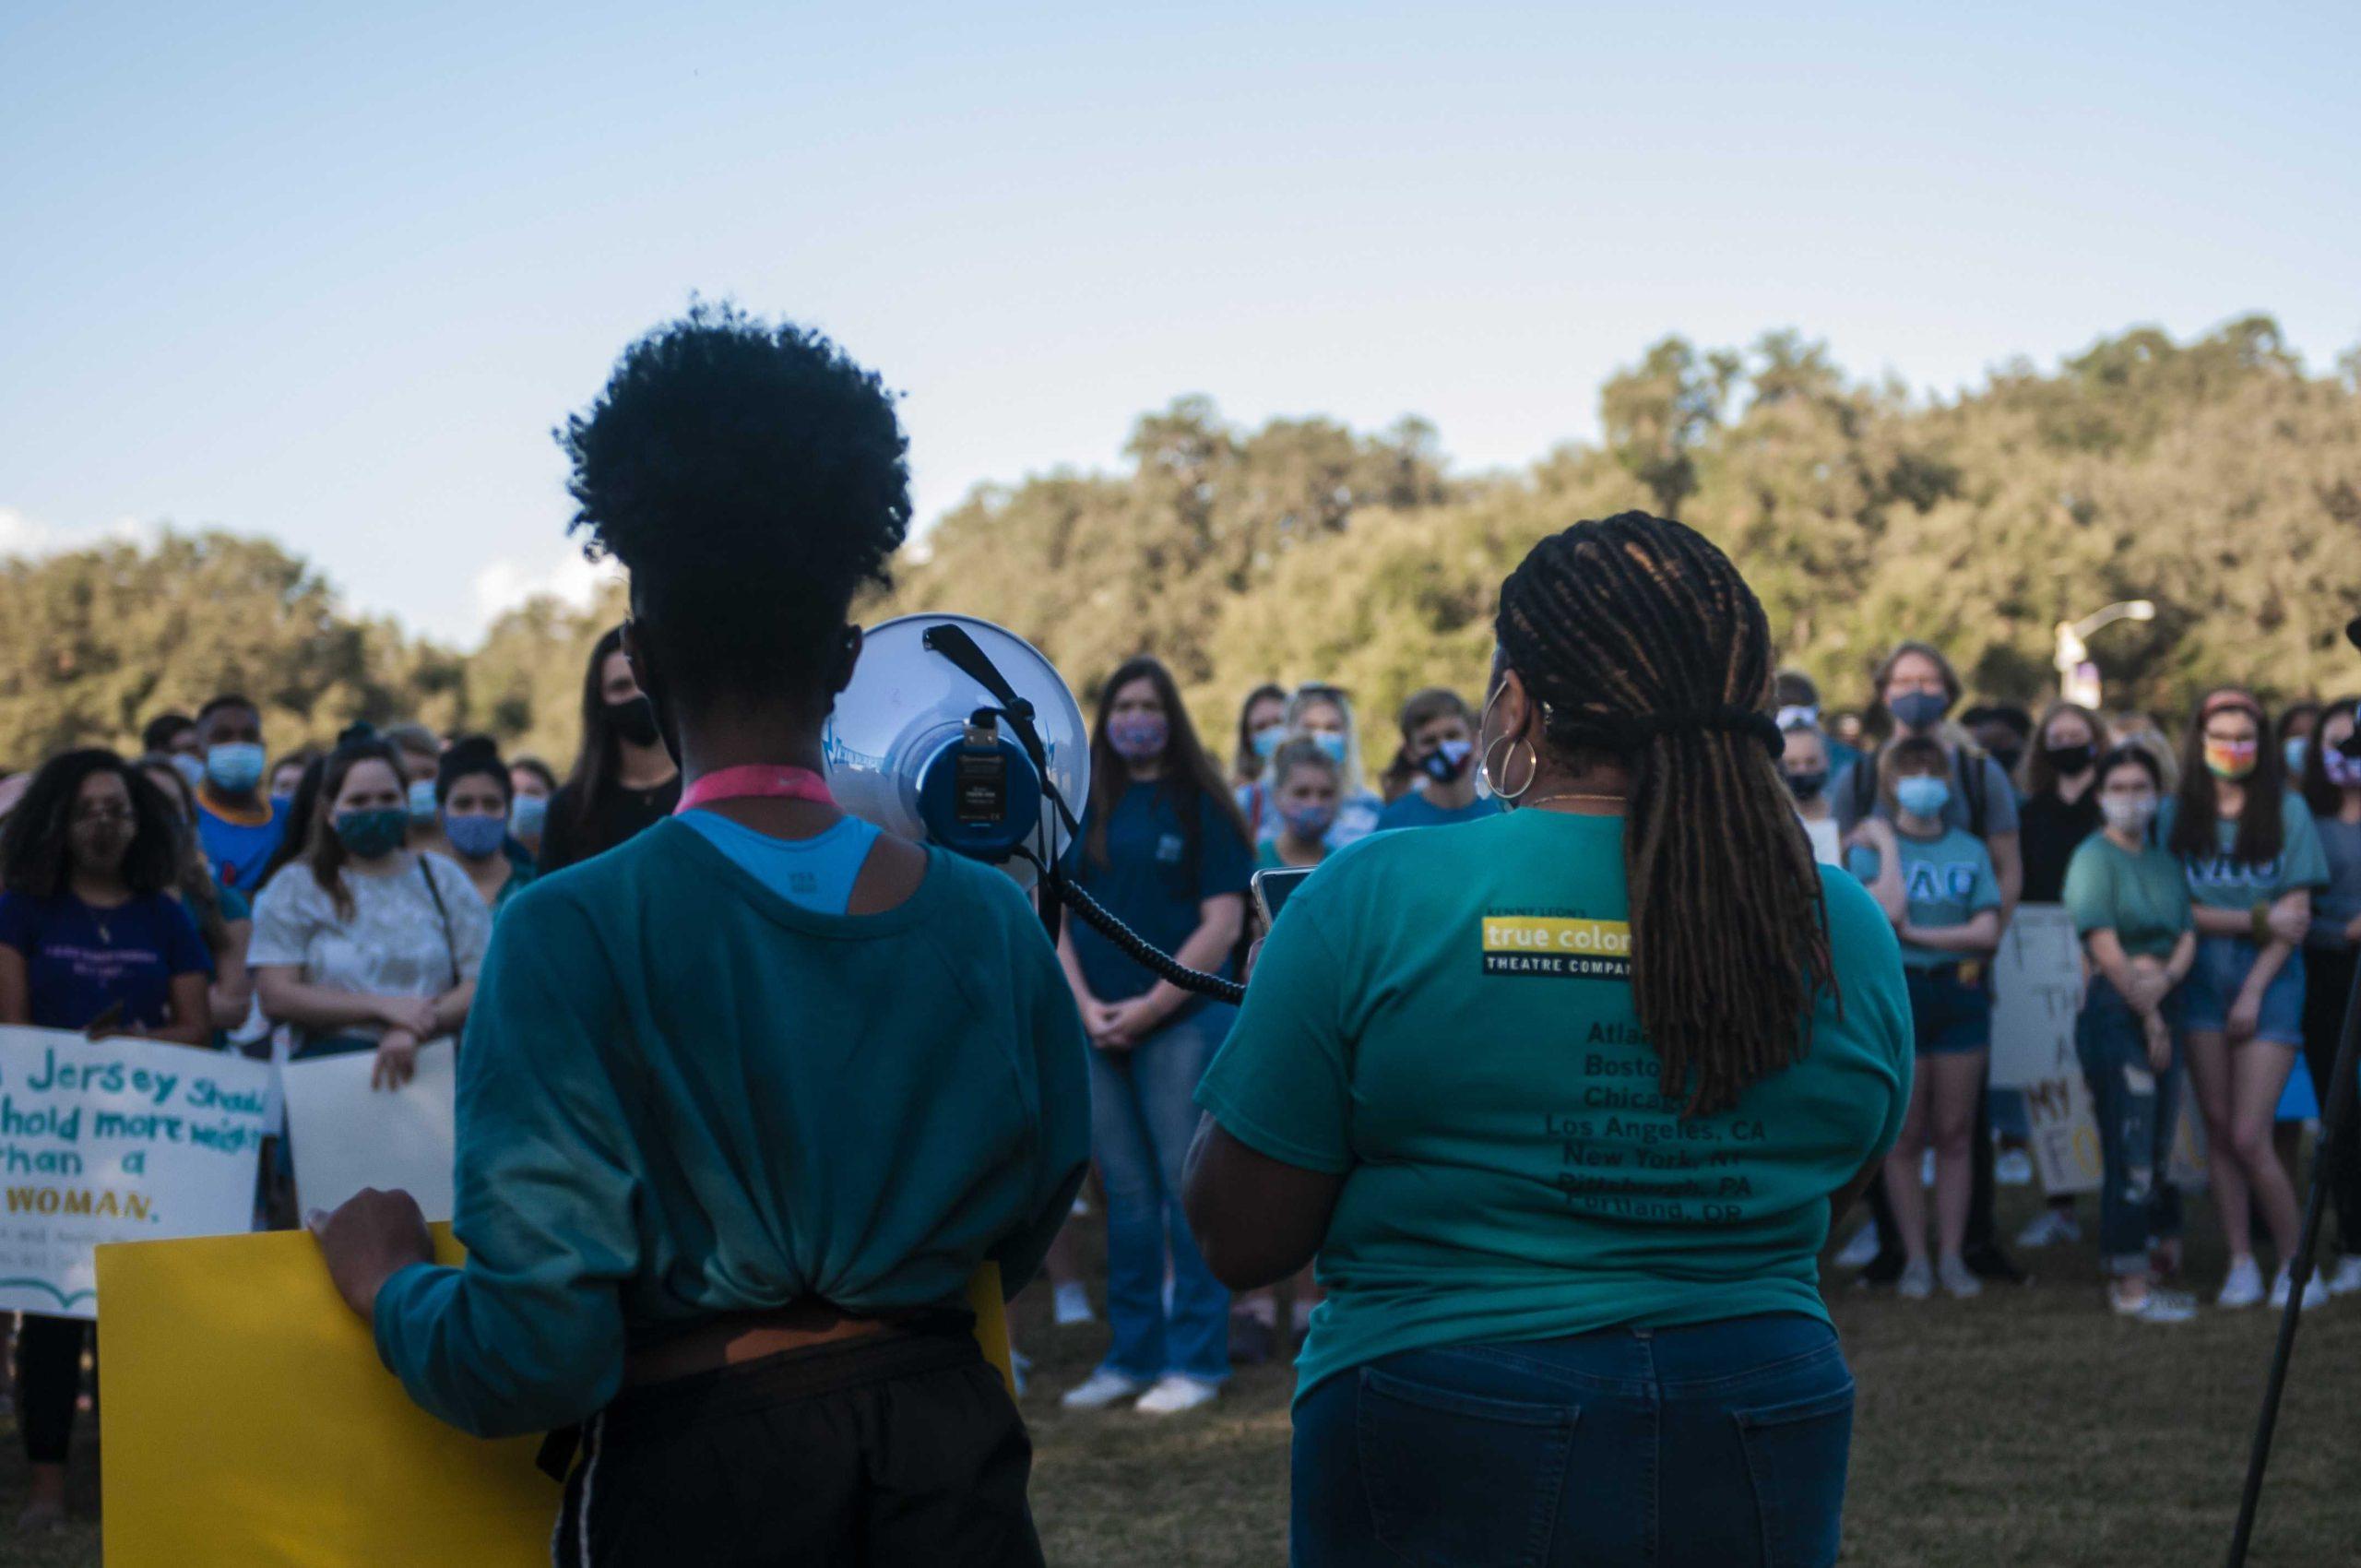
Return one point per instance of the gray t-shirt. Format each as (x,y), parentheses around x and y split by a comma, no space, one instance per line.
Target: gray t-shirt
(1999,796)
(2334,906)
(395,943)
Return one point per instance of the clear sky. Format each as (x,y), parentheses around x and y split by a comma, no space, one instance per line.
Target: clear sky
(331,272)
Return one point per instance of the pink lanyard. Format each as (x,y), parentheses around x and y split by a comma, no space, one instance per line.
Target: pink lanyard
(755,780)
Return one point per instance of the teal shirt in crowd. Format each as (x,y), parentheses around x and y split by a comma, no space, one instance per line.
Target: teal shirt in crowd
(2142,898)
(2220,882)
(1445,1019)
(1414,810)
(1949,881)
(680,1095)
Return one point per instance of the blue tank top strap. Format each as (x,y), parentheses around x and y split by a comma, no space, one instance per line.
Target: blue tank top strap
(815,873)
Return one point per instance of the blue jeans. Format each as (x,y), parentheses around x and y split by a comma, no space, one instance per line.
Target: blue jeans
(2136,1109)
(1143,1114)
(1717,1445)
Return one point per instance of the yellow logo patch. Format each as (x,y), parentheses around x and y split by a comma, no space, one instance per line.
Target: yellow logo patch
(1564,946)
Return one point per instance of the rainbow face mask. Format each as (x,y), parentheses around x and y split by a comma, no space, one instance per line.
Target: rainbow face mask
(2230,759)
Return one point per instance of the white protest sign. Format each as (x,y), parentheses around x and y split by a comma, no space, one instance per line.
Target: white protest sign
(2036,992)
(116,1140)
(2064,1136)
(348,1136)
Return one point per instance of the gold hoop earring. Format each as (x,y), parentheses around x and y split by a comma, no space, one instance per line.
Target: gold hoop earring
(1532,772)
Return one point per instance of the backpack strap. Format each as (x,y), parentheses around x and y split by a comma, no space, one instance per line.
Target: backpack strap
(1968,764)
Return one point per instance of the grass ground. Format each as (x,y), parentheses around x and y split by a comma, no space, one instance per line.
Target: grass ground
(2028,1427)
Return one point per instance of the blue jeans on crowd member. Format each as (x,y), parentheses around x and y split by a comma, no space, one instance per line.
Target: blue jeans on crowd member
(2137,1109)
(2220,973)
(1143,1113)
(1706,1446)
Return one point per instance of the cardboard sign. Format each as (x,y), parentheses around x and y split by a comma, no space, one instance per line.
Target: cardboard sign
(347,1136)
(116,1140)
(250,1425)
(2036,994)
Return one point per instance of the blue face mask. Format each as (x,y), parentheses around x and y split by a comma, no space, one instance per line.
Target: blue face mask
(234,767)
(2295,753)
(477,838)
(1918,710)
(189,767)
(1267,739)
(370,834)
(1333,744)
(421,801)
(529,816)
(1922,796)
(1311,822)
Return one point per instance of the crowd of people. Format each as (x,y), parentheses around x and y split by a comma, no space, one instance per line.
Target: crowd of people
(1608,999)
(203,892)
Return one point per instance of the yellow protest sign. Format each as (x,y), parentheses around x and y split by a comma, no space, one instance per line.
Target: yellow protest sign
(250,1425)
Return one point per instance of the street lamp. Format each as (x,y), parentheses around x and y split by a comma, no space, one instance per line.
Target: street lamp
(2077,678)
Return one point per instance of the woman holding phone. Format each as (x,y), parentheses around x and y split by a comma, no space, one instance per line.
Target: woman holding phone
(1562,1102)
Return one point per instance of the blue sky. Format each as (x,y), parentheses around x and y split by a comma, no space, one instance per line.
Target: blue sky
(331,273)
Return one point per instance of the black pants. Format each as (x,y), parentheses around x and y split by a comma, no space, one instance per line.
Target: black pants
(904,1449)
(2328,981)
(48,1383)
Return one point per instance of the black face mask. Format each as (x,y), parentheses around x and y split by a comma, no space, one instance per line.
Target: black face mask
(1808,785)
(633,722)
(2071,760)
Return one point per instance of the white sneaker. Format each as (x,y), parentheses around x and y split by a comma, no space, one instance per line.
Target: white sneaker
(2013,1167)
(1177,1393)
(1917,1281)
(2316,1291)
(2159,1305)
(1101,1389)
(1862,1249)
(2049,1229)
(2242,1287)
(2347,1280)
(1072,1305)
(1962,1285)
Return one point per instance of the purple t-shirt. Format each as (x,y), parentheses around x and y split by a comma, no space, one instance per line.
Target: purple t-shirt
(79,961)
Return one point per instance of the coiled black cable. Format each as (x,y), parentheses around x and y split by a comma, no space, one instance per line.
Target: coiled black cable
(1130,943)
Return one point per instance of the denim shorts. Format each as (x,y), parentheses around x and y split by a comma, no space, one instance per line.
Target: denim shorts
(2222,964)
(1949,1016)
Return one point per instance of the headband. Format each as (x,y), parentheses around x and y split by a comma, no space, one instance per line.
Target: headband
(2221,700)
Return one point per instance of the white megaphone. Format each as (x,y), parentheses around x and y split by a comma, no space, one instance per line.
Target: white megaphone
(948,734)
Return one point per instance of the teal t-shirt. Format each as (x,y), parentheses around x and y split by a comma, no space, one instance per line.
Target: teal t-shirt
(680,1095)
(1267,857)
(1443,1018)
(1949,881)
(2144,897)
(1414,810)
(2221,882)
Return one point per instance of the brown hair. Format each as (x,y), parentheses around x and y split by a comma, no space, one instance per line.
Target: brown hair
(1639,640)
(325,854)
(1189,778)
(1914,752)
(2196,817)
(1881,673)
(2040,775)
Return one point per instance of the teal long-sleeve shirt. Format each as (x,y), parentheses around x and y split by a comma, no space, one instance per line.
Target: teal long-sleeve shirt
(680,1095)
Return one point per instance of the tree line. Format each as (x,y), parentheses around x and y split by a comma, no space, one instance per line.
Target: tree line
(2217,477)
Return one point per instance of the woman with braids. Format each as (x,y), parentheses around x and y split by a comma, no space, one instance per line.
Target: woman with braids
(745,1101)
(1564,1101)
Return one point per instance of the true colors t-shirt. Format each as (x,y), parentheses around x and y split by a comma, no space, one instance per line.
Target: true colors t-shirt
(2143,898)
(1949,881)
(1156,880)
(80,960)
(1445,1019)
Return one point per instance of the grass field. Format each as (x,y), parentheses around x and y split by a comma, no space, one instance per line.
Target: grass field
(2025,1428)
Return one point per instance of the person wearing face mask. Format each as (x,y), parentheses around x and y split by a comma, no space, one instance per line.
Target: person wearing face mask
(1324,715)
(1935,883)
(421,751)
(2333,789)
(624,781)
(2058,809)
(1262,725)
(1439,752)
(224,916)
(362,944)
(530,785)
(1305,782)
(1796,699)
(286,776)
(173,736)
(2130,906)
(1164,850)
(1912,689)
(2297,721)
(472,797)
(92,937)
(2003,730)
(239,826)
(2252,857)
(1804,763)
